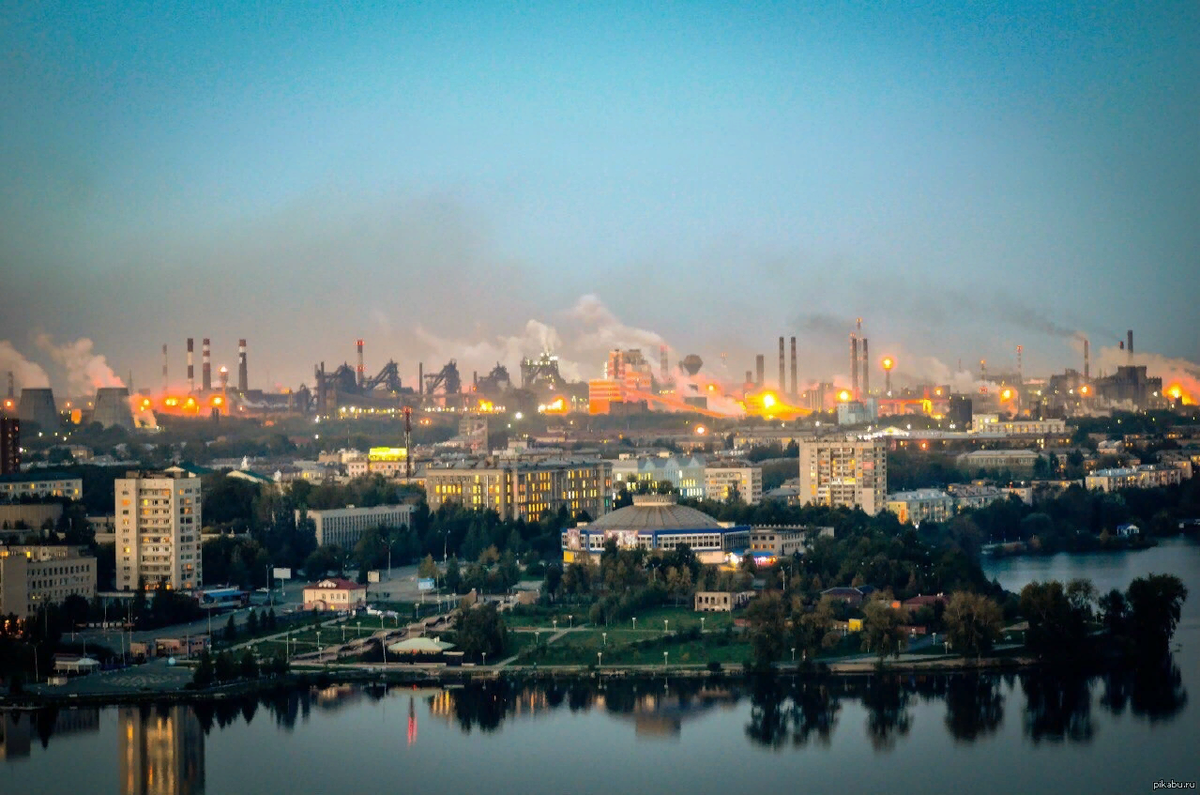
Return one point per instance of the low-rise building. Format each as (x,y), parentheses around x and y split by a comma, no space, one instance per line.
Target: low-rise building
(785,541)
(40,484)
(32,576)
(523,489)
(997,460)
(345,526)
(31,515)
(334,593)
(921,505)
(656,522)
(1148,476)
(719,601)
(969,496)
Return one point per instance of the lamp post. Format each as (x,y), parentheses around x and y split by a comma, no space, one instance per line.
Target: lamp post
(701,625)
(599,659)
(555,622)
(664,661)
(485,658)
(635,624)
(343,632)
(793,654)
(604,635)
(571,618)
(318,644)
(665,621)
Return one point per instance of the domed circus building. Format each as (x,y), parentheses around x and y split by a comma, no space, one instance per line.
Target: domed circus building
(657,522)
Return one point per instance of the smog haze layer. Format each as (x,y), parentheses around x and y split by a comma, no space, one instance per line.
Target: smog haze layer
(471,181)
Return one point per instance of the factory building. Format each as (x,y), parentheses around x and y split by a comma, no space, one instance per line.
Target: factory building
(158,524)
(523,489)
(32,576)
(345,526)
(846,471)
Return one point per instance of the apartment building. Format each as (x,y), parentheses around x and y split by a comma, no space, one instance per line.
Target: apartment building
(523,489)
(40,484)
(31,576)
(158,522)
(844,471)
(723,478)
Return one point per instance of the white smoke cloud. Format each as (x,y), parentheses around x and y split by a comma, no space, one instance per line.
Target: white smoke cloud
(533,340)
(26,374)
(1174,372)
(85,369)
(602,331)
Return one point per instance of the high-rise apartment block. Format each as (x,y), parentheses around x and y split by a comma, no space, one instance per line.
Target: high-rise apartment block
(844,471)
(10,445)
(158,524)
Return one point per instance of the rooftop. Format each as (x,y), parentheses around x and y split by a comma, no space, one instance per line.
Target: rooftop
(655,512)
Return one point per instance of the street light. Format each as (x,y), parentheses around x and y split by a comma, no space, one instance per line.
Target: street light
(571,618)
(604,635)
(635,624)
(664,660)
(485,658)
(665,625)
(555,622)
(793,654)
(599,659)
(701,625)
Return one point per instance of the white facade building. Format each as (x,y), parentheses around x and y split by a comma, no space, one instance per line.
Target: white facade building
(721,478)
(344,526)
(158,521)
(845,471)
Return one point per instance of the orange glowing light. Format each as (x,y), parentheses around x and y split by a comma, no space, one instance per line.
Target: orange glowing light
(768,401)
(1175,392)
(1083,390)
(938,391)
(712,388)
(171,401)
(844,395)
(701,430)
(191,402)
(1006,394)
(216,401)
(888,363)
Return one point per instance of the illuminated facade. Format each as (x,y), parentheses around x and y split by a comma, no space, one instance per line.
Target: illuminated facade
(721,479)
(847,472)
(158,521)
(524,489)
(922,505)
(40,484)
(31,576)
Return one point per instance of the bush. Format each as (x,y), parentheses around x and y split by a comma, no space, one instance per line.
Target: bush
(714,666)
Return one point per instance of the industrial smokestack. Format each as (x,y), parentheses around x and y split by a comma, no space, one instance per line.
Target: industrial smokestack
(663,364)
(749,377)
(165,381)
(191,367)
(205,365)
(1020,365)
(1129,344)
(362,369)
(782,369)
(760,368)
(1087,361)
(243,375)
(37,405)
(866,370)
(794,391)
(420,378)
(854,366)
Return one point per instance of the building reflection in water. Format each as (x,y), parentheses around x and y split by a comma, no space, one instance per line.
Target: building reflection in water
(161,750)
(18,729)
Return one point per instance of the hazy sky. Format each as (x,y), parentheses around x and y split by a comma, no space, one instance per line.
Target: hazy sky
(433,176)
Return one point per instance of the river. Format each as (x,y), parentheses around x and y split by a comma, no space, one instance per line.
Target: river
(1027,733)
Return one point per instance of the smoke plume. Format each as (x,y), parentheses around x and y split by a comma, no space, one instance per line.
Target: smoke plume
(1174,372)
(85,369)
(26,374)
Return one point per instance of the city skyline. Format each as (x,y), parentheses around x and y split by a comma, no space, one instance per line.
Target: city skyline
(470,183)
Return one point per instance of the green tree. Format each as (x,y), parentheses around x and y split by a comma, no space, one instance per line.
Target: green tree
(1056,627)
(252,624)
(509,569)
(1155,604)
(767,616)
(812,630)
(883,632)
(480,630)
(1114,611)
(225,669)
(973,623)
(248,667)
(1081,593)
(230,629)
(427,569)
(453,575)
(204,675)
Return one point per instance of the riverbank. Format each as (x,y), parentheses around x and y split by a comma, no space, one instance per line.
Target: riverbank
(439,676)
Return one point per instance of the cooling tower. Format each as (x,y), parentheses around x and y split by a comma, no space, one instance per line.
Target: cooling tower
(112,407)
(37,405)
(691,364)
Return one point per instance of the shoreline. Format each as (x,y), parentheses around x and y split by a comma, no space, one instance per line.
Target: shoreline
(442,677)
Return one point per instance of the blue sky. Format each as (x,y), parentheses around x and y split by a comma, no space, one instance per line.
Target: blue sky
(433,176)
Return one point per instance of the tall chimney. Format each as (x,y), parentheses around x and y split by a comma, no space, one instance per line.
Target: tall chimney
(362,370)
(866,369)
(1129,344)
(782,368)
(420,378)
(243,375)
(854,367)
(191,346)
(1087,361)
(760,367)
(749,377)
(663,364)
(794,391)
(205,366)
(165,381)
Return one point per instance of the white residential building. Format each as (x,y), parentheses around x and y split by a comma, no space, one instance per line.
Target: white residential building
(722,477)
(921,505)
(845,471)
(345,526)
(158,521)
